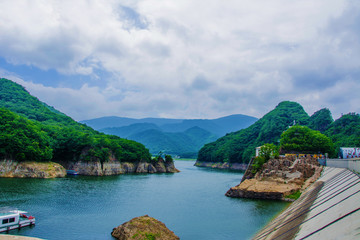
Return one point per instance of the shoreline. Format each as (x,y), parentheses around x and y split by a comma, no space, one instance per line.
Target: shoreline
(226,166)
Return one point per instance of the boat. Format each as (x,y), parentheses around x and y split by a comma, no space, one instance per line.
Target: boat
(12,219)
(72,172)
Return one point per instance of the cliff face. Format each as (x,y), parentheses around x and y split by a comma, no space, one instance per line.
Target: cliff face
(93,166)
(278,178)
(114,167)
(10,168)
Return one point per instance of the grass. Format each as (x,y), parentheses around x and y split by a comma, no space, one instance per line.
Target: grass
(295,195)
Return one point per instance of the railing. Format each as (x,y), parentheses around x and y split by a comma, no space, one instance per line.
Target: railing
(352,164)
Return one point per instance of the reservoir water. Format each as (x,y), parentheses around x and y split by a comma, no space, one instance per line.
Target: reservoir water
(191,203)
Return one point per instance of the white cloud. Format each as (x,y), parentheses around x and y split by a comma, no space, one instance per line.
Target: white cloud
(187,58)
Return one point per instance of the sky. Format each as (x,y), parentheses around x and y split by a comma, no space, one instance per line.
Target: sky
(183,59)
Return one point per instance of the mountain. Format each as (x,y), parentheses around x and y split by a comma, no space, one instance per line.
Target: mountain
(320,120)
(182,137)
(112,121)
(39,132)
(345,131)
(128,131)
(219,126)
(184,144)
(239,147)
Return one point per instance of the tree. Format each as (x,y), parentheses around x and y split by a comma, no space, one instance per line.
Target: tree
(301,139)
(266,152)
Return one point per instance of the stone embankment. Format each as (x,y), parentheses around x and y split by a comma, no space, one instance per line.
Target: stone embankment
(277,179)
(144,227)
(10,168)
(233,166)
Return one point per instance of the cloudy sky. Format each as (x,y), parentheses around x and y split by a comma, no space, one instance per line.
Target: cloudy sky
(183,59)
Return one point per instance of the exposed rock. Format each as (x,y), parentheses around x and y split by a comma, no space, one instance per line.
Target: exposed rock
(144,227)
(277,178)
(160,165)
(170,167)
(217,165)
(144,167)
(128,167)
(114,167)
(10,168)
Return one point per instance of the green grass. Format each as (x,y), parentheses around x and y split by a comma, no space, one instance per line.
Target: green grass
(295,195)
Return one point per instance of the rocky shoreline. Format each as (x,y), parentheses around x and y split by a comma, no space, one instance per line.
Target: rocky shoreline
(278,179)
(215,165)
(11,168)
(14,169)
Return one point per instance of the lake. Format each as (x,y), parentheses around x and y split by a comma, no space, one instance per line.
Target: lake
(191,203)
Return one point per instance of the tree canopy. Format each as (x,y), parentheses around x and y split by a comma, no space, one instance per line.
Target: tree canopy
(301,139)
(22,139)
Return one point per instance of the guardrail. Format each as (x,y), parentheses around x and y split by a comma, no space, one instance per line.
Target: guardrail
(352,164)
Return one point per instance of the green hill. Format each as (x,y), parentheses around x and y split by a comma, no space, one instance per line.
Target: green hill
(239,147)
(345,131)
(68,139)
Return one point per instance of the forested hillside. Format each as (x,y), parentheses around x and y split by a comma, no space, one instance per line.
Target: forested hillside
(239,147)
(345,131)
(41,127)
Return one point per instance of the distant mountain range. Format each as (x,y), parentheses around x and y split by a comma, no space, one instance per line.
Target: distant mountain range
(183,137)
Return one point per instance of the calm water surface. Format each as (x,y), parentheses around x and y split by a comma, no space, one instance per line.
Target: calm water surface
(191,203)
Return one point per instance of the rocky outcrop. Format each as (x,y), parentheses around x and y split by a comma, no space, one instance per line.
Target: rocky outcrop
(233,166)
(10,168)
(144,227)
(114,167)
(277,179)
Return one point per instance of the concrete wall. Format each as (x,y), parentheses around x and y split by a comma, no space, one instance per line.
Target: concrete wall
(351,164)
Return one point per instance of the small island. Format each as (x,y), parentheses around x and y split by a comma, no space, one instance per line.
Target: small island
(143,227)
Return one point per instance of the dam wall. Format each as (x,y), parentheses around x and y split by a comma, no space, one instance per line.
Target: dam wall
(328,209)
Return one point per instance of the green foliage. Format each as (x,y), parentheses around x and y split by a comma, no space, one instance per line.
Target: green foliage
(22,139)
(345,132)
(320,120)
(301,139)
(168,159)
(269,150)
(258,162)
(266,152)
(240,146)
(64,138)
(294,195)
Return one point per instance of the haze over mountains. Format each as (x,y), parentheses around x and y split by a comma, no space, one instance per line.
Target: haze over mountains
(183,137)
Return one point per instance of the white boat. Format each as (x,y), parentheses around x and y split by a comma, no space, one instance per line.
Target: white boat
(13,219)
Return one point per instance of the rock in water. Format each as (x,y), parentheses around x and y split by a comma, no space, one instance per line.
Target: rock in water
(143,227)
